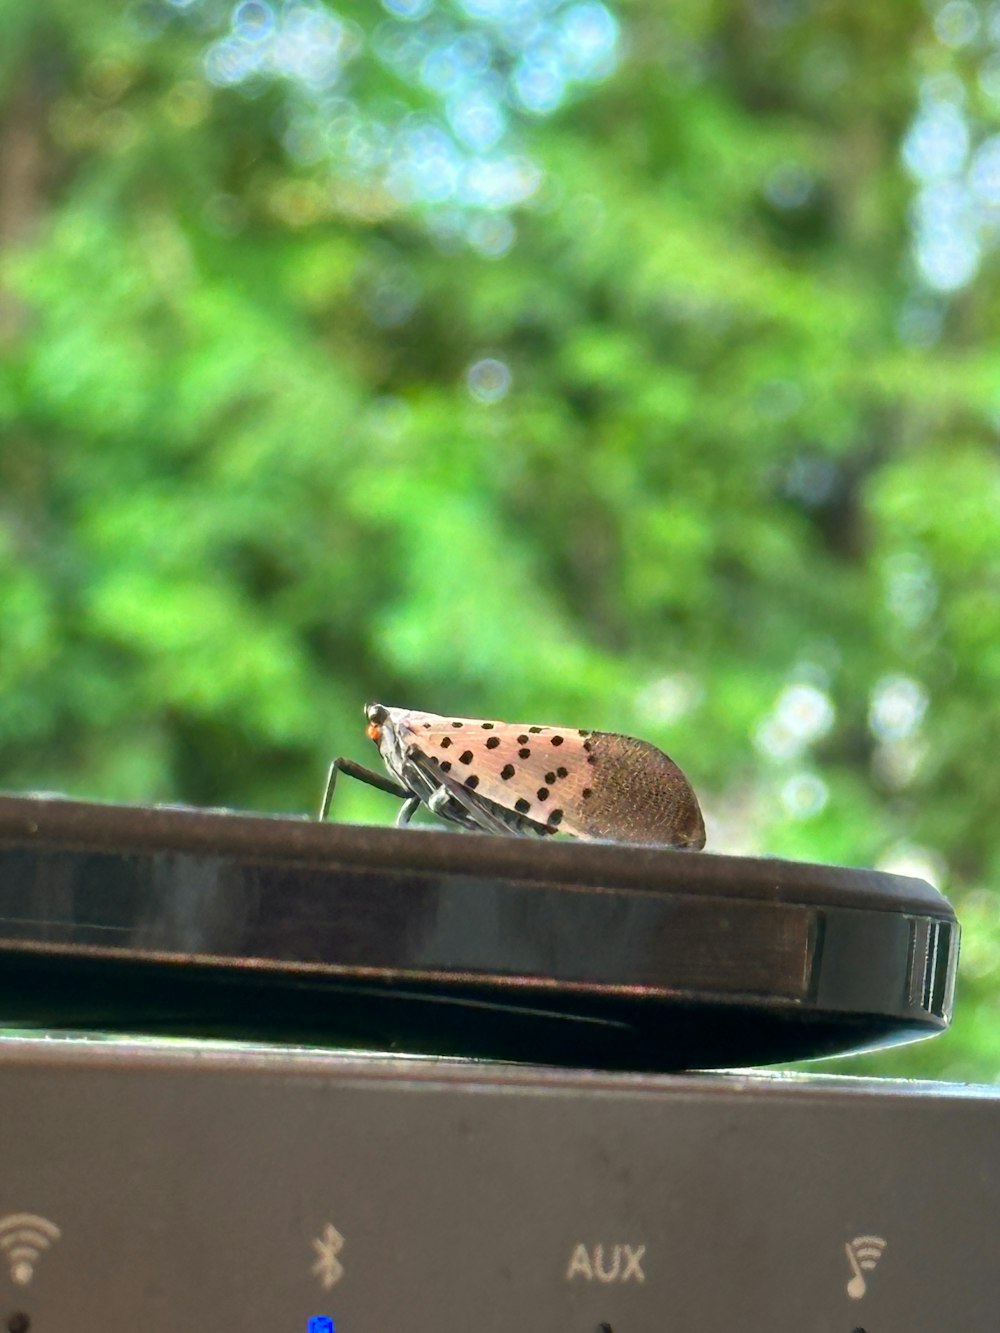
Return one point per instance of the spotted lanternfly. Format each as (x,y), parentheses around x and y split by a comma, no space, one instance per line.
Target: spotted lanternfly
(498,777)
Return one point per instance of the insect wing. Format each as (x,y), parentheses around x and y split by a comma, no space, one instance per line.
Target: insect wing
(539,774)
(476,811)
(425,767)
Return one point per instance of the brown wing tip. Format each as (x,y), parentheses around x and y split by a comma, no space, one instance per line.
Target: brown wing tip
(643,795)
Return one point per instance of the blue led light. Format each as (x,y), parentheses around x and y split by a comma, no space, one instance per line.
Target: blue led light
(321,1323)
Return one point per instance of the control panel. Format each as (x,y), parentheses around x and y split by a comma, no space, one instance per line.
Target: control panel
(167,1186)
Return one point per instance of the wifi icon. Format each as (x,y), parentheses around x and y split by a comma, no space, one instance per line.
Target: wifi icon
(863,1253)
(24,1238)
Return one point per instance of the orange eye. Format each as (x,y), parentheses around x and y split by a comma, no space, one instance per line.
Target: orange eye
(374,732)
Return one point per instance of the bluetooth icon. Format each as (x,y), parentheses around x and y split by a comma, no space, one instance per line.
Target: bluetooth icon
(328,1268)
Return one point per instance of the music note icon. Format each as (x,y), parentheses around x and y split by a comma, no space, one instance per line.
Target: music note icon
(863,1253)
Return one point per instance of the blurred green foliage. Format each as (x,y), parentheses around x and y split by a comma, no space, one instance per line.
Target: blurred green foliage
(692,451)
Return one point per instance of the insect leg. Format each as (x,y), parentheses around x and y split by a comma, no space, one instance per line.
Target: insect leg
(443,796)
(461,807)
(363,774)
(409,809)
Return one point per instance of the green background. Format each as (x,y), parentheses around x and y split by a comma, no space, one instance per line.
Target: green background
(696,440)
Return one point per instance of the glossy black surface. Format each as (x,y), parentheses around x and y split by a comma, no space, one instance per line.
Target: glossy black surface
(609,956)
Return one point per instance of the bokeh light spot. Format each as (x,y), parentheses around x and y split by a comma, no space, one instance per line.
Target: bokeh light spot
(669,699)
(956,23)
(253,20)
(788,186)
(804,795)
(408,9)
(898,705)
(937,143)
(908,858)
(488,380)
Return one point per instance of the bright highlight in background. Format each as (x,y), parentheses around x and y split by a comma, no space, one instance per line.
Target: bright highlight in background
(482,68)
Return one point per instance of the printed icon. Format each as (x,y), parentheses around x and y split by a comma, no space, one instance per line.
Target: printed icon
(328,1267)
(321,1323)
(24,1238)
(863,1253)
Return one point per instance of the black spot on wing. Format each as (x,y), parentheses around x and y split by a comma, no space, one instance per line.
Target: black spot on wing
(522,806)
(524,753)
(557,740)
(493,742)
(445,742)
(507,772)
(465,757)
(472,782)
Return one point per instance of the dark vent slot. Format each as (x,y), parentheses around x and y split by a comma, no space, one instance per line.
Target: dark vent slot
(930,972)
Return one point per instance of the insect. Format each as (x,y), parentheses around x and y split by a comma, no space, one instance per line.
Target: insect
(498,777)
